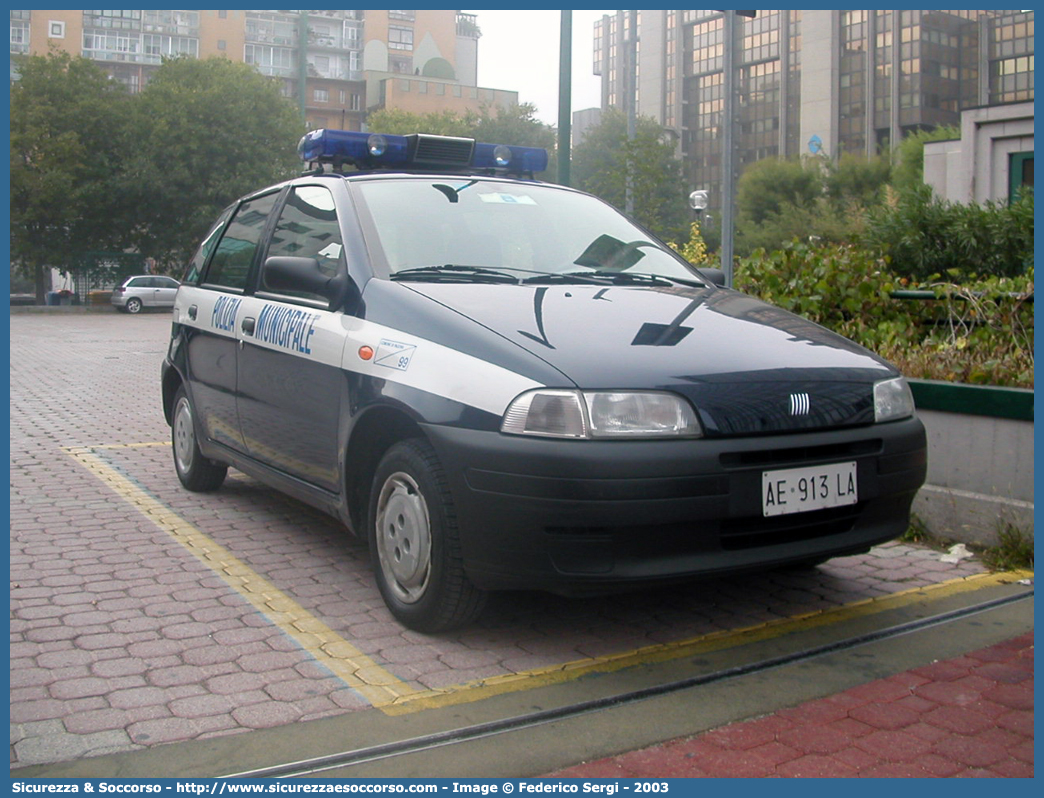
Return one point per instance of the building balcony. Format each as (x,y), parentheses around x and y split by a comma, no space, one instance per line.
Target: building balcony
(467,26)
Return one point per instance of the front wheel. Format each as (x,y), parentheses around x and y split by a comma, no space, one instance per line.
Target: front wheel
(196,472)
(416,543)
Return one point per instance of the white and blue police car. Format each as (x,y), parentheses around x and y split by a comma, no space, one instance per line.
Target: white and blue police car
(505,384)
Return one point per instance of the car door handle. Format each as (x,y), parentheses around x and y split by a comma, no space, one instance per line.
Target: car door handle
(248,325)
(193,309)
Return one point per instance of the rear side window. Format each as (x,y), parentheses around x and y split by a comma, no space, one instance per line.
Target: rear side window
(195,267)
(230,266)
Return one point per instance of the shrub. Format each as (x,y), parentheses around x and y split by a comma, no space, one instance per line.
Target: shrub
(980,332)
(925,237)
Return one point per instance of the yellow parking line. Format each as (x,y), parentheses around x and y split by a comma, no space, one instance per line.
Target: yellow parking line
(392,696)
(713,641)
(344,660)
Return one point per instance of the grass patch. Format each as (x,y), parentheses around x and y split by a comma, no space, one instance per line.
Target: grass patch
(1013,551)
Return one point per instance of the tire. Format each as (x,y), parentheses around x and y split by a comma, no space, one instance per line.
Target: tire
(415,542)
(195,472)
(133,305)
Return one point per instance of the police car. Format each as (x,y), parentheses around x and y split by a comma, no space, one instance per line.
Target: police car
(504,384)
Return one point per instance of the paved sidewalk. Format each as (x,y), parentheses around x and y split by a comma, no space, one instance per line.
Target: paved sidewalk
(967,717)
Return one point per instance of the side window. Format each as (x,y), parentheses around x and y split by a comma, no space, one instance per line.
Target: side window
(308,228)
(230,265)
(195,267)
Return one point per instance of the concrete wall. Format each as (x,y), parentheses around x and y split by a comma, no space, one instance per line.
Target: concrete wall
(819,67)
(980,469)
(976,168)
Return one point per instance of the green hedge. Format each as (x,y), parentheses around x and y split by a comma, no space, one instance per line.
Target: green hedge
(980,332)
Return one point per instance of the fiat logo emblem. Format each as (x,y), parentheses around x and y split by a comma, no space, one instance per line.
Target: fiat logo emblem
(799,404)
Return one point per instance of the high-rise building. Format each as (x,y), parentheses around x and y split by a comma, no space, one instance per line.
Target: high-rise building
(351,62)
(819,81)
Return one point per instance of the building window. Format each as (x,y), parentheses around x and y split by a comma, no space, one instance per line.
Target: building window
(113,46)
(222,15)
(116,20)
(19,36)
(222,44)
(158,46)
(400,38)
(269,60)
(56,30)
(321,95)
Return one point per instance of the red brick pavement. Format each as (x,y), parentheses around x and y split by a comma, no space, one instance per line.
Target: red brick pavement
(968,717)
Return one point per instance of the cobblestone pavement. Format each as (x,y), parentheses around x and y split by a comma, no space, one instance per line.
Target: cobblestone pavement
(971,716)
(142,614)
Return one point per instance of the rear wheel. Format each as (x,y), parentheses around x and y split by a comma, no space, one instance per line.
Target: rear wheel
(133,305)
(416,543)
(196,472)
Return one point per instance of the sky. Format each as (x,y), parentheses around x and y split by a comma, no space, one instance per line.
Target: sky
(519,50)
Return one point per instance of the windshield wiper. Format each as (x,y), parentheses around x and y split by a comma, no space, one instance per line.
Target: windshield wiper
(566,277)
(452,272)
(605,276)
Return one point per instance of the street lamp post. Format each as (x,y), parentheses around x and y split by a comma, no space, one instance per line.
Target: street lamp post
(565,72)
(698,201)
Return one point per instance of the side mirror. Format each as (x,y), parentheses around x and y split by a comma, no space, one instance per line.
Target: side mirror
(716,276)
(294,274)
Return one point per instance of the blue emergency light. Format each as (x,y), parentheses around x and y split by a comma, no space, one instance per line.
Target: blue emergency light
(416,151)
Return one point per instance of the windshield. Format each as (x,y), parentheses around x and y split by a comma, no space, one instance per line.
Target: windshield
(470,229)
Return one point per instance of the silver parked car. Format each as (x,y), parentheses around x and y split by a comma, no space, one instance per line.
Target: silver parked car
(145,291)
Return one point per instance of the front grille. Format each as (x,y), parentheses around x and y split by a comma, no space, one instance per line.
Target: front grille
(801,455)
(737,534)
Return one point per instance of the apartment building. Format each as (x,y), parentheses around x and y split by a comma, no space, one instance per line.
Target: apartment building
(810,81)
(337,65)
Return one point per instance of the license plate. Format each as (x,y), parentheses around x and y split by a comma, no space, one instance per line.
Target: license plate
(798,490)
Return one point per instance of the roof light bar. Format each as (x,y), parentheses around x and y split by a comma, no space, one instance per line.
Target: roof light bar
(375,150)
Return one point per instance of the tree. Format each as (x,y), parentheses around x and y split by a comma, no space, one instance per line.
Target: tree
(207,132)
(856,179)
(908,166)
(601,163)
(769,185)
(516,125)
(68,144)
(811,199)
(396,122)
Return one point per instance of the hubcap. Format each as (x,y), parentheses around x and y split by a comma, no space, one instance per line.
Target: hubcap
(404,537)
(184,436)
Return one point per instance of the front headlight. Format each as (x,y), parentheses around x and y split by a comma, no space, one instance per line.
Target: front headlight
(601,414)
(892,400)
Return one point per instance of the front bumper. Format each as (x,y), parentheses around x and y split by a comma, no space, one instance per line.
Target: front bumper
(588,516)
